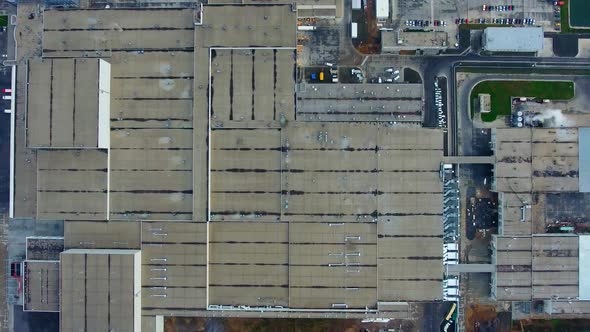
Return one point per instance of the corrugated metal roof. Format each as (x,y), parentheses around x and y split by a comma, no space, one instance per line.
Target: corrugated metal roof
(584,267)
(584,159)
(500,39)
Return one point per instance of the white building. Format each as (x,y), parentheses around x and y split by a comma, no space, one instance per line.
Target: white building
(382,10)
(500,39)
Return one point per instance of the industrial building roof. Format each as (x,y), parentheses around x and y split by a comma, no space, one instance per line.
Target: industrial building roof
(305,8)
(72,184)
(65,103)
(399,103)
(513,39)
(230,195)
(92,234)
(100,290)
(584,270)
(394,41)
(544,266)
(536,160)
(41,286)
(247,26)
(44,248)
(252,84)
(584,159)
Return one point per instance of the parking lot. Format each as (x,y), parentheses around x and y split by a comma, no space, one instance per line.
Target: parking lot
(422,14)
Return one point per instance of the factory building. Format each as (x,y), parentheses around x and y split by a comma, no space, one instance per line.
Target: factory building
(512,39)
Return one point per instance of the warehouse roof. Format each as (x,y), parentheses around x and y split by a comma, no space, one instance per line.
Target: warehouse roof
(542,266)
(394,41)
(584,270)
(501,39)
(242,194)
(584,159)
(536,160)
(100,288)
(68,103)
(41,286)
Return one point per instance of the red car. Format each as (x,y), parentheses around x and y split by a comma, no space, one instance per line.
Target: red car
(559,3)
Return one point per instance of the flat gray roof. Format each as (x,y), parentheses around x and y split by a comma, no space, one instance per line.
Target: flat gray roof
(536,160)
(539,267)
(584,267)
(62,102)
(584,159)
(99,289)
(247,26)
(501,39)
(399,103)
(41,286)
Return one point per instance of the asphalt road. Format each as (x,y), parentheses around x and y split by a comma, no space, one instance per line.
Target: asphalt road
(458,118)
(35,321)
(4,141)
(434,314)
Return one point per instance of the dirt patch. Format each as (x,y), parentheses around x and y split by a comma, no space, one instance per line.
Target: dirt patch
(369,36)
(184,324)
(552,325)
(480,318)
(196,324)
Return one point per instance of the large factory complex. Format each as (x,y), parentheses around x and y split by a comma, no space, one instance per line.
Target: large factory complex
(193,172)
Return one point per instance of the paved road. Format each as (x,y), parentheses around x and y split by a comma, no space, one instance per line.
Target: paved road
(434,314)
(4,141)
(35,321)
(447,66)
